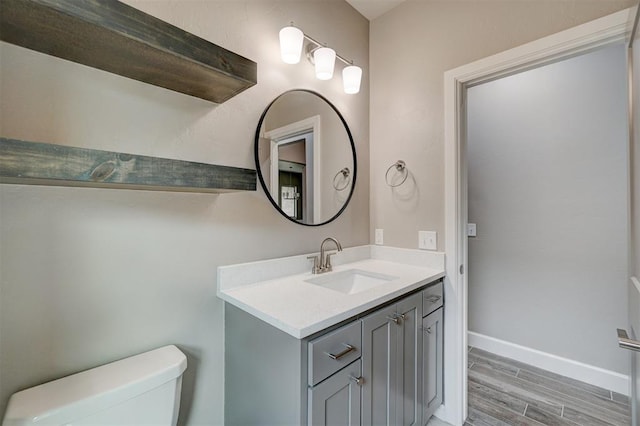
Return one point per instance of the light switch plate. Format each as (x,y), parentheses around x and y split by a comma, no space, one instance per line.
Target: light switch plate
(471,229)
(379,237)
(428,240)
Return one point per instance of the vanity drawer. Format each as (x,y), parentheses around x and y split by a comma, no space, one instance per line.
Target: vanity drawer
(333,351)
(432,298)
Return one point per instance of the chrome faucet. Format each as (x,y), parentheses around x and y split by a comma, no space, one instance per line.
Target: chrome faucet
(324,263)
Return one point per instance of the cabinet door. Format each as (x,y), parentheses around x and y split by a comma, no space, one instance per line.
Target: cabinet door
(336,401)
(379,367)
(432,374)
(409,350)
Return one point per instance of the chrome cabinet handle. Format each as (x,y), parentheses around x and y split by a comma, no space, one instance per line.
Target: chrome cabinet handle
(343,353)
(358,380)
(625,343)
(433,298)
(428,330)
(396,318)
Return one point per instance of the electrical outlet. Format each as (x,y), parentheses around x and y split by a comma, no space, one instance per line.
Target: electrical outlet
(471,229)
(379,237)
(428,240)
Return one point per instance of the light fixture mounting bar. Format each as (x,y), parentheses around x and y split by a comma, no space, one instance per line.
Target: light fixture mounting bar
(317,43)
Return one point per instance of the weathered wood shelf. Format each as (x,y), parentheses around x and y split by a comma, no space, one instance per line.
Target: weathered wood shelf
(112,36)
(35,163)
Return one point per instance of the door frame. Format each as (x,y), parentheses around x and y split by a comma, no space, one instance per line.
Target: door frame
(607,30)
(278,136)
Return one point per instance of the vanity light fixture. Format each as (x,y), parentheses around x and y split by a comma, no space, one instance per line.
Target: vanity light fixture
(323,58)
(351,76)
(291,39)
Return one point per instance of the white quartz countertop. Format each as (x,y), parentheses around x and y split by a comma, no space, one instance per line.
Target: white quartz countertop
(300,308)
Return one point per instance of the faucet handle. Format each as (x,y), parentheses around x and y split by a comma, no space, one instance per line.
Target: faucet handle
(327,264)
(316,267)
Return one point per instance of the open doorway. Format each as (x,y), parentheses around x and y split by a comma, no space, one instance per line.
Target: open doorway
(292,184)
(294,174)
(608,30)
(547,175)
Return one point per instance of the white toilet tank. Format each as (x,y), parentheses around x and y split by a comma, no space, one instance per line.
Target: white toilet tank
(140,390)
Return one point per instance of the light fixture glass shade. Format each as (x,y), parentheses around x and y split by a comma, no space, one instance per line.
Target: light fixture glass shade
(291,39)
(351,77)
(325,59)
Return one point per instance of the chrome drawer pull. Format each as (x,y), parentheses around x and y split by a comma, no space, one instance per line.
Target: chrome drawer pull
(433,298)
(625,343)
(358,380)
(343,353)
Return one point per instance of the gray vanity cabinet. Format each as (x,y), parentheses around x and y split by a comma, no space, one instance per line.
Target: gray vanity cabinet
(381,368)
(272,378)
(265,379)
(391,352)
(336,401)
(432,349)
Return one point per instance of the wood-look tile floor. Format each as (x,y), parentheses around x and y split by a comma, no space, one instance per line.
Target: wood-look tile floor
(507,392)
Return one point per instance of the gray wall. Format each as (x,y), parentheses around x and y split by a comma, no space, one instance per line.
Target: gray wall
(547,152)
(88,276)
(411,47)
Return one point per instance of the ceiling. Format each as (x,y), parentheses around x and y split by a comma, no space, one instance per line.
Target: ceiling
(371,9)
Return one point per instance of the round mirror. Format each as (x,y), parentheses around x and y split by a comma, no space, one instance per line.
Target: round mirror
(305,157)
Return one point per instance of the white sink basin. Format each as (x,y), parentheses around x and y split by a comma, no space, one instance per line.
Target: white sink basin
(351,281)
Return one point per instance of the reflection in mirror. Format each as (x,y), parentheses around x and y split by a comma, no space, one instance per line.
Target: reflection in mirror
(305,157)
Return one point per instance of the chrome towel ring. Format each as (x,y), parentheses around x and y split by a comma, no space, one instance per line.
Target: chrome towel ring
(400,167)
(345,175)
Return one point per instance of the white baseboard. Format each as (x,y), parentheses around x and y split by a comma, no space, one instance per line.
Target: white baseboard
(576,370)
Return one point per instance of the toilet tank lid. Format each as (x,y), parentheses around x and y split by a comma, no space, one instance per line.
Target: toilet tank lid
(85,393)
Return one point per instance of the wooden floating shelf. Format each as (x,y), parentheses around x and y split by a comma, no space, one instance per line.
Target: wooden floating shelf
(114,37)
(34,163)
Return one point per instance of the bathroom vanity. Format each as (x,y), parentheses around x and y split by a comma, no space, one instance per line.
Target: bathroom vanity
(361,345)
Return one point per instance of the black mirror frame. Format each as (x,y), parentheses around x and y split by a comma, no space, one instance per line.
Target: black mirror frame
(259,171)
